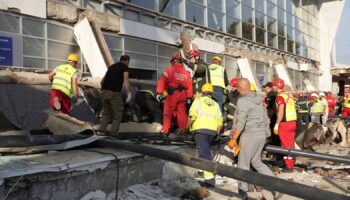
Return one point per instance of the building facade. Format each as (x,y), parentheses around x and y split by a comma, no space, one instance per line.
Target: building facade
(295,32)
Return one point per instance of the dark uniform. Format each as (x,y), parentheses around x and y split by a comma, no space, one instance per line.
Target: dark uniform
(200,77)
(146,103)
(303,110)
(230,108)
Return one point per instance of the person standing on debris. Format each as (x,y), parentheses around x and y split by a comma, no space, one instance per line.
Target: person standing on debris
(205,121)
(251,125)
(316,108)
(200,68)
(218,78)
(285,126)
(64,86)
(303,109)
(331,104)
(111,96)
(345,104)
(325,108)
(175,85)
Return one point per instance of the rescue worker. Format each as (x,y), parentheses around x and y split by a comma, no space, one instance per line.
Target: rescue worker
(218,78)
(250,124)
(205,122)
(316,108)
(200,68)
(303,109)
(285,126)
(325,108)
(230,104)
(147,103)
(176,85)
(331,104)
(64,86)
(346,106)
(111,96)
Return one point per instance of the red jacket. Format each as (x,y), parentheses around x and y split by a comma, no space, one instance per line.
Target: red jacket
(173,78)
(331,101)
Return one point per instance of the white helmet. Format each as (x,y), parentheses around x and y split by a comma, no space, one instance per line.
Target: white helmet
(314,95)
(322,94)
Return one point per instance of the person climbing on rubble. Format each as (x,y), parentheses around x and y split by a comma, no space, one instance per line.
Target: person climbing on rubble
(331,104)
(111,96)
(345,104)
(64,86)
(175,85)
(316,108)
(302,109)
(205,122)
(250,123)
(324,116)
(285,126)
(218,78)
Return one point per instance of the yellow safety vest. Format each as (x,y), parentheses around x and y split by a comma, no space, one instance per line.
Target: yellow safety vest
(205,113)
(217,75)
(327,110)
(317,107)
(63,79)
(290,113)
(347,103)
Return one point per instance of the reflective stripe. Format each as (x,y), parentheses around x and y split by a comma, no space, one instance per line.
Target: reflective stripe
(147,91)
(63,85)
(208,175)
(63,79)
(232,105)
(289,110)
(229,116)
(317,107)
(217,75)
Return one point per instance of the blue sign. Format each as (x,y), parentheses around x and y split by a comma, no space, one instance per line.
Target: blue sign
(6,51)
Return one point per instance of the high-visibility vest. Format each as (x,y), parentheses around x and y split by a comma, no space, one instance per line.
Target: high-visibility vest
(63,79)
(324,100)
(347,103)
(290,113)
(317,107)
(208,114)
(217,75)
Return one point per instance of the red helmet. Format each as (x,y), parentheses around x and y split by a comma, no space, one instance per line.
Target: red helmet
(176,58)
(279,83)
(234,82)
(191,53)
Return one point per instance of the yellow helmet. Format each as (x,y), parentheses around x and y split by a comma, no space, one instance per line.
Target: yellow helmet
(207,88)
(252,87)
(216,58)
(72,57)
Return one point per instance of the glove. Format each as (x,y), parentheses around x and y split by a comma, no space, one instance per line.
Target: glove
(188,101)
(275,129)
(159,98)
(232,143)
(128,98)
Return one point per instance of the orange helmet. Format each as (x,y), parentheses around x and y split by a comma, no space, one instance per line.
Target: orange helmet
(234,82)
(191,53)
(176,58)
(278,82)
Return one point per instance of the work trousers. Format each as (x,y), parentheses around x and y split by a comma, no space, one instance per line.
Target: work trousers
(286,132)
(304,118)
(113,107)
(203,142)
(218,96)
(250,154)
(175,104)
(63,99)
(330,112)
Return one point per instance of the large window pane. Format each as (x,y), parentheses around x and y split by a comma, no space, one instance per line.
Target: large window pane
(92,4)
(142,61)
(271,9)
(233,8)
(33,47)
(139,46)
(166,51)
(280,3)
(60,51)
(9,23)
(260,35)
(142,74)
(259,19)
(60,33)
(171,7)
(271,25)
(33,27)
(281,30)
(247,31)
(233,26)
(116,55)
(195,13)
(231,67)
(289,6)
(280,15)
(290,33)
(259,5)
(281,42)
(290,19)
(150,4)
(290,46)
(54,63)
(215,4)
(215,20)
(260,73)
(247,14)
(272,39)
(298,49)
(34,62)
(248,2)
(114,42)
(163,63)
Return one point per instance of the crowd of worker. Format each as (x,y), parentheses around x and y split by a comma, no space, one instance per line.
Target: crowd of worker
(198,99)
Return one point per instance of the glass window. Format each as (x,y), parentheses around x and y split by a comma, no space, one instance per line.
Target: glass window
(298,36)
(215,4)
(272,39)
(163,63)
(195,13)
(280,15)
(199,1)
(33,27)
(233,26)
(247,31)
(142,74)
(271,9)
(166,51)
(139,46)
(290,33)
(132,15)
(298,49)
(52,64)
(231,67)
(289,6)
(92,4)
(113,42)
(60,51)
(215,20)
(33,47)
(142,61)
(150,4)
(281,30)
(34,62)
(247,14)
(73,2)
(260,35)
(171,7)
(290,19)
(280,3)
(248,2)
(233,8)
(271,25)
(270,73)
(259,5)
(281,42)
(260,73)
(146,19)
(290,44)
(9,23)
(60,33)
(259,19)
(116,55)
(113,10)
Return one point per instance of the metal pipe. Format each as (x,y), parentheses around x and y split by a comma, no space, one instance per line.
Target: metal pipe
(314,155)
(268,182)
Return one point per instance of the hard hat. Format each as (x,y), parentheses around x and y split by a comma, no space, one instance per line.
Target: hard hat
(314,95)
(207,88)
(322,94)
(191,53)
(234,82)
(252,86)
(176,58)
(216,58)
(279,83)
(72,57)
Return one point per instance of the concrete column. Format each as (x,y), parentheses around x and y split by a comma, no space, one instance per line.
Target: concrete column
(329,17)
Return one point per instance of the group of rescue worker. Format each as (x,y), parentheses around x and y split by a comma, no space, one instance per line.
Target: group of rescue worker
(204,103)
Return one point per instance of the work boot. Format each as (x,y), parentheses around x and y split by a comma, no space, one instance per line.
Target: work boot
(243,194)
(56,103)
